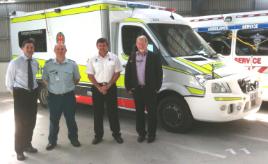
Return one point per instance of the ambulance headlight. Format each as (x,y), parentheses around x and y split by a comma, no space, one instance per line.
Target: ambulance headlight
(202,78)
(220,87)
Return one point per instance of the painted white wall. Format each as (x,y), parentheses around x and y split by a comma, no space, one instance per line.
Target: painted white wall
(3,69)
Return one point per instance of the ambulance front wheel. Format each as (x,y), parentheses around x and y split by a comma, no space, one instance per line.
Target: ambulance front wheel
(43,92)
(175,115)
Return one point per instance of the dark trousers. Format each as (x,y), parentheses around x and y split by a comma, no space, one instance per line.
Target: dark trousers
(25,109)
(145,99)
(59,104)
(99,102)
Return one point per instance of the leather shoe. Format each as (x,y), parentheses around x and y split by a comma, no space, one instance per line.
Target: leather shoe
(141,139)
(95,141)
(75,143)
(150,139)
(50,146)
(20,157)
(119,139)
(30,149)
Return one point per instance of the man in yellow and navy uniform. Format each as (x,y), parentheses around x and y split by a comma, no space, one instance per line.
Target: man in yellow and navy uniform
(60,75)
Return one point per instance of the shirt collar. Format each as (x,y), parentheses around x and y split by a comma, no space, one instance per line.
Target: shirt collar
(55,61)
(138,53)
(24,57)
(106,56)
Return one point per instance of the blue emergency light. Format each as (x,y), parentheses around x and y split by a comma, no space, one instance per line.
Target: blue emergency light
(137,5)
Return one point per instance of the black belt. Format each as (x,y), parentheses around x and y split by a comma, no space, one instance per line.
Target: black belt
(141,86)
(22,89)
(62,94)
(103,84)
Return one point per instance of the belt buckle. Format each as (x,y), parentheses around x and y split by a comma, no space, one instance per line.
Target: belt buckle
(103,84)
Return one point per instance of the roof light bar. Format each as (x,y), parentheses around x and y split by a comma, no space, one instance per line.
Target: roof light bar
(137,5)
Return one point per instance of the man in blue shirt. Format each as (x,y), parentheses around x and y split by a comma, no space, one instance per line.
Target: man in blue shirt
(21,81)
(61,75)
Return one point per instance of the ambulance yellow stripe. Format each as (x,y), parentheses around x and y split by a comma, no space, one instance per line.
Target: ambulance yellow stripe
(133,20)
(83,74)
(197,67)
(121,81)
(125,56)
(176,70)
(79,10)
(227,98)
(216,65)
(40,70)
(195,91)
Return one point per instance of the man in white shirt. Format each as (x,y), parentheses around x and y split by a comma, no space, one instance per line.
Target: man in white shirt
(103,71)
(20,79)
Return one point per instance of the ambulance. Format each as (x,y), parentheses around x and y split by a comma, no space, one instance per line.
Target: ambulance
(197,82)
(242,37)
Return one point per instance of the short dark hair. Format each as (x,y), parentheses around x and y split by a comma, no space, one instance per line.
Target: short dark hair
(102,40)
(26,41)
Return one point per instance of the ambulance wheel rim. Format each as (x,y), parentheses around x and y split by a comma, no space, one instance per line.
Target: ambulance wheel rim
(172,115)
(43,96)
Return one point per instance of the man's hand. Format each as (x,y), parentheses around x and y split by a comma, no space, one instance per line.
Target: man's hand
(102,89)
(107,87)
(131,91)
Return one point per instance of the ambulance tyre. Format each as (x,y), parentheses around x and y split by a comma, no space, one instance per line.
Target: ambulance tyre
(43,93)
(175,115)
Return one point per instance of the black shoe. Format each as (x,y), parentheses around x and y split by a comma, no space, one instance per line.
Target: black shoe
(20,157)
(75,143)
(95,141)
(119,139)
(50,146)
(150,139)
(141,139)
(31,149)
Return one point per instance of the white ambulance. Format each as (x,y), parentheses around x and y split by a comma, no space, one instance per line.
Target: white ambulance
(198,84)
(243,37)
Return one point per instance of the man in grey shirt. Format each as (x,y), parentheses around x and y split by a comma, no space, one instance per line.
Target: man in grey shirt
(61,75)
(21,81)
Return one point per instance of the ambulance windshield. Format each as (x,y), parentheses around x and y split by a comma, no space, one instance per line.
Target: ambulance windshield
(181,40)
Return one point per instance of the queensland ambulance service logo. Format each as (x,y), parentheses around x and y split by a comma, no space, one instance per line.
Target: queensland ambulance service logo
(60,38)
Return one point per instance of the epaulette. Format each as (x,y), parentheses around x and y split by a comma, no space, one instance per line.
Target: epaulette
(49,60)
(69,60)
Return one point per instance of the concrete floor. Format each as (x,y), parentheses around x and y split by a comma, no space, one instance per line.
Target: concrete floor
(244,141)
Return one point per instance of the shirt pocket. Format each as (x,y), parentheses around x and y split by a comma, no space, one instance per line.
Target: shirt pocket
(98,67)
(111,65)
(53,75)
(68,76)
